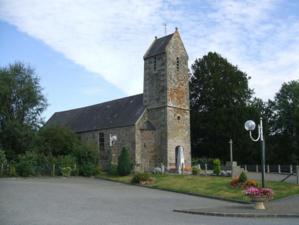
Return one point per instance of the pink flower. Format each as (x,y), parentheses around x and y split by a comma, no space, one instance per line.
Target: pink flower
(254,192)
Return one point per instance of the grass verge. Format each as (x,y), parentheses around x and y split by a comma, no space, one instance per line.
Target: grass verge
(209,186)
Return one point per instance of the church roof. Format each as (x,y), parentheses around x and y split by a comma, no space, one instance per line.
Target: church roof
(117,113)
(158,46)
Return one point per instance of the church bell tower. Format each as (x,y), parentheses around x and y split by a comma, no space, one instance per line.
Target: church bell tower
(166,98)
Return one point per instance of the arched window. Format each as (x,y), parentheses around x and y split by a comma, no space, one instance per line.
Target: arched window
(177,63)
(155,63)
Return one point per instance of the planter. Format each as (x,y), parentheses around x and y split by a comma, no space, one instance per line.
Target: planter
(259,196)
(259,203)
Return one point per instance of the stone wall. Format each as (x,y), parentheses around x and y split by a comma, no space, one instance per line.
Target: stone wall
(125,138)
(154,90)
(178,113)
(166,97)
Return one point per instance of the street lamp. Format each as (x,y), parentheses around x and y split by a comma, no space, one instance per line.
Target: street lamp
(250,126)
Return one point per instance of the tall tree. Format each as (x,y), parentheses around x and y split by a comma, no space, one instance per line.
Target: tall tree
(221,102)
(21,106)
(284,120)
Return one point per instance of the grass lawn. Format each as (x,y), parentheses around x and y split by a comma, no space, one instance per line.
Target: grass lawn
(208,186)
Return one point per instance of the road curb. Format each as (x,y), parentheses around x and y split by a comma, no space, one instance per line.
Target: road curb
(244,215)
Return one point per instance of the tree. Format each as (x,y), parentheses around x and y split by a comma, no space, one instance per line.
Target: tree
(284,124)
(124,164)
(20,95)
(55,141)
(220,102)
(21,106)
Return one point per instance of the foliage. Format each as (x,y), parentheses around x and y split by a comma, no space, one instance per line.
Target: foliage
(3,160)
(88,169)
(235,182)
(65,161)
(255,193)
(112,170)
(124,165)
(21,106)
(12,171)
(220,102)
(87,157)
(27,164)
(250,183)
(66,171)
(242,177)
(16,138)
(195,170)
(216,166)
(283,113)
(141,178)
(56,141)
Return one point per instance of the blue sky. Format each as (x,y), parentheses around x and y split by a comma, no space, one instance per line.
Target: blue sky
(86,52)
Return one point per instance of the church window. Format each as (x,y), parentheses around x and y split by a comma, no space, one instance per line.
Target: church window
(177,63)
(155,63)
(102,141)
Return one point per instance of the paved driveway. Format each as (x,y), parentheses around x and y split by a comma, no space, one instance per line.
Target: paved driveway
(80,201)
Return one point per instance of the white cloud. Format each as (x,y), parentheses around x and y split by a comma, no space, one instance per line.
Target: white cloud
(109,38)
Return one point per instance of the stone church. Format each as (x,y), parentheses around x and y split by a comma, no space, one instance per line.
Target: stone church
(153,124)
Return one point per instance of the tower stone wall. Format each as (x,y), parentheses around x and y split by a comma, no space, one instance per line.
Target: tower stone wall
(166,98)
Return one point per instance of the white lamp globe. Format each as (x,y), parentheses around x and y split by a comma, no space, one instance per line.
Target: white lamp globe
(249,125)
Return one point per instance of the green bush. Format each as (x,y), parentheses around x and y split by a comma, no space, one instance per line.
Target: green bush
(242,177)
(12,171)
(45,165)
(195,170)
(57,141)
(65,161)
(88,169)
(66,171)
(87,157)
(124,166)
(216,166)
(27,164)
(112,170)
(141,178)
(3,162)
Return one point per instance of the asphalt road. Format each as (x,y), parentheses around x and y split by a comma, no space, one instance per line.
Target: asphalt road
(87,201)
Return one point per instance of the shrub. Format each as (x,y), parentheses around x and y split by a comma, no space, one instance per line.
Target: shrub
(66,171)
(112,170)
(243,177)
(12,171)
(141,178)
(65,161)
(45,165)
(216,166)
(57,141)
(88,169)
(98,170)
(3,162)
(195,170)
(124,166)
(250,183)
(27,164)
(235,182)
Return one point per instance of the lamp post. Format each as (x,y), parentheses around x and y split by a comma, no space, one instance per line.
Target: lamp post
(250,126)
